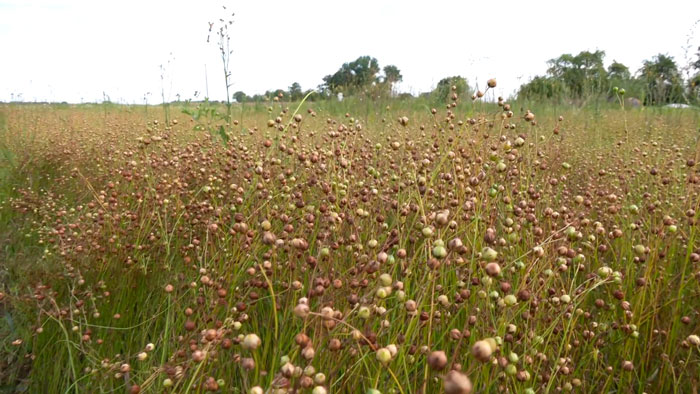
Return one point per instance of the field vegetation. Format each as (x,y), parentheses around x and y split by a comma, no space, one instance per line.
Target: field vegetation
(472,247)
(354,239)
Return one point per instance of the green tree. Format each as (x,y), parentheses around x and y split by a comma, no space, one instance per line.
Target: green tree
(619,71)
(662,80)
(694,88)
(392,76)
(694,81)
(620,76)
(543,88)
(353,76)
(696,63)
(240,97)
(280,94)
(583,74)
(295,92)
(443,90)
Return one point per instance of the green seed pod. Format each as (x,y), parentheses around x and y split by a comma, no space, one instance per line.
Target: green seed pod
(489,254)
(513,357)
(439,252)
(385,279)
(364,312)
(604,272)
(384,355)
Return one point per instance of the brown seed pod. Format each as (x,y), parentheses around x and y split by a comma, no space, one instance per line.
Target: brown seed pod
(492,269)
(302,340)
(456,382)
(334,344)
(248,363)
(483,349)
(437,360)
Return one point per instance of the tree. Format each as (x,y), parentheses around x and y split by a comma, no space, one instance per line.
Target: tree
(392,75)
(696,63)
(295,92)
(662,80)
(543,88)
(365,70)
(583,74)
(619,71)
(694,88)
(240,97)
(694,81)
(353,76)
(277,94)
(443,90)
(619,76)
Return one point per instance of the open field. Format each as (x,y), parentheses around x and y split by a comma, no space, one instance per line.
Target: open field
(362,248)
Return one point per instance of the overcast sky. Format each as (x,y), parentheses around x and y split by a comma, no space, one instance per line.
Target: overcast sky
(76,50)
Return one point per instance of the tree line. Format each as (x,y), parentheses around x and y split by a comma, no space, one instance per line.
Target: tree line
(569,78)
(582,77)
(360,77)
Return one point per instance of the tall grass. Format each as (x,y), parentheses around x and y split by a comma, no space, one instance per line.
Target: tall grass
(119,232)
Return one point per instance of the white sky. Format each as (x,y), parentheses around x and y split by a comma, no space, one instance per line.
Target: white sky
(75,50)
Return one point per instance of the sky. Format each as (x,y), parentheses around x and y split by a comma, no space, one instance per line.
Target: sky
(87,50)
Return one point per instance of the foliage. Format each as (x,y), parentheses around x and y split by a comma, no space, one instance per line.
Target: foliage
(241,97)
(662,80)
(392,76)
(347,254)
(619,71)
(352,76)
(444,90)
(696,63)
(543,88)
(583,77)
(207,118)
(575,79)
(295,93)
(694,88)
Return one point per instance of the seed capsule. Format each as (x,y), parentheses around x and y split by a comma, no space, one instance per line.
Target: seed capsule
(456,382)
(437,360)
(251,342)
